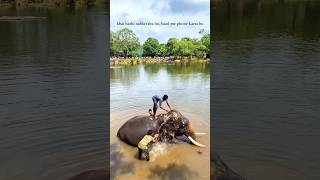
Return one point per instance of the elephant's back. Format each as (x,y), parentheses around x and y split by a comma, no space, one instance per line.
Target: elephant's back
(135,128)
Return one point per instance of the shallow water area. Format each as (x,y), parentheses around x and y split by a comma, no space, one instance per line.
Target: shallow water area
(131,90)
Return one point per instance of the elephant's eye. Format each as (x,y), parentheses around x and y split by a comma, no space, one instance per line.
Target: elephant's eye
(183,124)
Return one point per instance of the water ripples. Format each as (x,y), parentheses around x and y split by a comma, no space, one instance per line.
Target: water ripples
(53,108)
(265,106)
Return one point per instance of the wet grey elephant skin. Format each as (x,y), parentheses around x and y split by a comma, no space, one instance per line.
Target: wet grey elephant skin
(135,128)
(176,128)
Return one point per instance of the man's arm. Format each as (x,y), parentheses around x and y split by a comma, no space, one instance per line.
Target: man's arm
(168,105)
(162,107)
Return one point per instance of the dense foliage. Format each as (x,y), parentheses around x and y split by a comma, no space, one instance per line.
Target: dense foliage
(125,43)
(151,47)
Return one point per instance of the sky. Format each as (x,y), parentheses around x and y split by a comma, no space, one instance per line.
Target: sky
(174,11)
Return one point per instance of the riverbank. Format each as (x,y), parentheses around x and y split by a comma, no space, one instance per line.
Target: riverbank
(155,60)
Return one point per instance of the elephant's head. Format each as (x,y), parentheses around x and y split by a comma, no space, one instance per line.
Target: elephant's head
(177,126)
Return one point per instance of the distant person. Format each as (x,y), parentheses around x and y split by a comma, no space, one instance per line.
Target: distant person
(145,142)
(156,99)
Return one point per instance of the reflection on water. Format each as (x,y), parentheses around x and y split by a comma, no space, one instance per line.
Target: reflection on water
(238,19)
(131,89)
(266,87)
(186,84)
(52,94)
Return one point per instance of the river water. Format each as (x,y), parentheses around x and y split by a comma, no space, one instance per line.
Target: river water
(53,94)
(265,90)
(265,95)
(131,90)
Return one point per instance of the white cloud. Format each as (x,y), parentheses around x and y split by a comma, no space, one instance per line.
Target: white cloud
(161,10)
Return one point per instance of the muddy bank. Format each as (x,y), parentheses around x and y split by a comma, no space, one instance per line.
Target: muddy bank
(150,60)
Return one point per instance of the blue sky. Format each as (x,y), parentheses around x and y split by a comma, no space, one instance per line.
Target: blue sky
(161,10)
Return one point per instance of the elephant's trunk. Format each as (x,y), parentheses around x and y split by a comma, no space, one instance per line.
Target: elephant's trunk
(190,132)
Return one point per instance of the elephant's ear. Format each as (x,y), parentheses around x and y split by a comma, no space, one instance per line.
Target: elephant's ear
(176,117)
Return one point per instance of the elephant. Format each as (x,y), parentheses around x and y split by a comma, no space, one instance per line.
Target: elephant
(172,127)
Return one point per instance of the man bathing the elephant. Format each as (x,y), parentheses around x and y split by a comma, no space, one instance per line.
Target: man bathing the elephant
(145,142)
(156,99)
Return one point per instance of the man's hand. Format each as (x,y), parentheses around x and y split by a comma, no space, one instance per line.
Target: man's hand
(156,137)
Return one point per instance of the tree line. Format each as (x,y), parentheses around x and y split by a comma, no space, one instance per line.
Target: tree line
(125,43)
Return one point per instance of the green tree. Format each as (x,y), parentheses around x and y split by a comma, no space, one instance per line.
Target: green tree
(186,47)
(173,47)
(126,41)
(198,49)
(114,44)
(205,41)
(151,47)
(163,50)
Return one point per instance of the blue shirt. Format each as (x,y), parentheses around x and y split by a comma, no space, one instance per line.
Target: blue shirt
(157,99)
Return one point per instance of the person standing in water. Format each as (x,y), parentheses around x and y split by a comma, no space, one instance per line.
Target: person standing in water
(156,99)
(145,143)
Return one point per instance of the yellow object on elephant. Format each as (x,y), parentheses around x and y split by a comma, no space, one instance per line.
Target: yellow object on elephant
(143,144)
